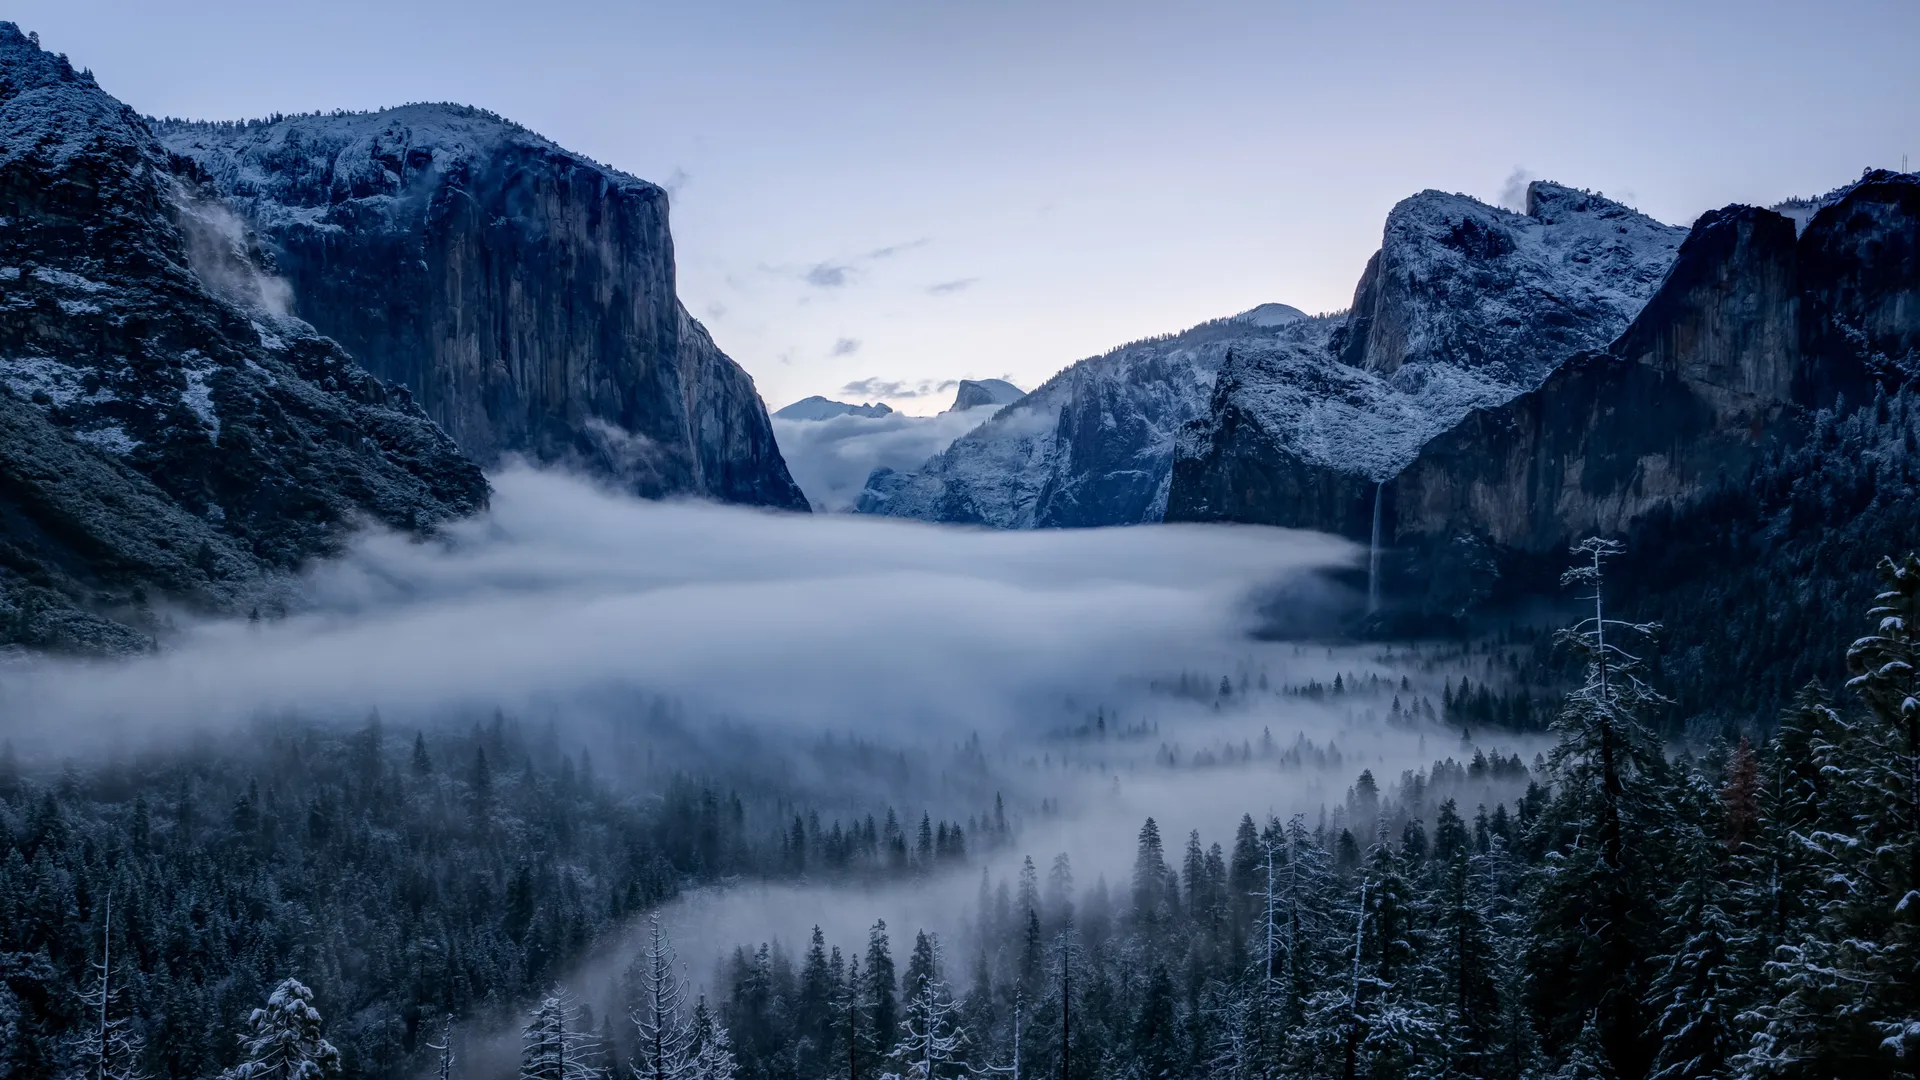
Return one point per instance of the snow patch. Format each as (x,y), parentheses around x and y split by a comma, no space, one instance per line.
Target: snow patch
(66,280)
(28,376)
(199,395)
(109,437)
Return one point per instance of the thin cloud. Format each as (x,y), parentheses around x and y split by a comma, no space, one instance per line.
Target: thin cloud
(1513,194)
(874,386)
(846,346)
(946,288)
(839,273)
(828,275)
(891,250)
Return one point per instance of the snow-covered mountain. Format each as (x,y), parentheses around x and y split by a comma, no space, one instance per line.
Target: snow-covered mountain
(1759,322)
(1465,305)
(167,437)
(1091,446)
(821,408)
(525,294)
(973,393)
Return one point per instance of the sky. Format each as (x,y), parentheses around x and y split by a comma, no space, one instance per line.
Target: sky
(872,199)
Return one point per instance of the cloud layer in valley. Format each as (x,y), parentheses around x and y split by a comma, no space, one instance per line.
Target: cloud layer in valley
(831,459)
(819,623)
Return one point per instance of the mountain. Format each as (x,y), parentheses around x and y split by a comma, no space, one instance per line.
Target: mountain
(1764,331)
(167,441)
(524,294)
(820,408)
(1464,306)
(1091,446)
(1271,315)
(973,393)
(1754,337)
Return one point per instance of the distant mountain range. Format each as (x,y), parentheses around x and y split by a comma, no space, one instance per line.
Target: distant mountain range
(820,408)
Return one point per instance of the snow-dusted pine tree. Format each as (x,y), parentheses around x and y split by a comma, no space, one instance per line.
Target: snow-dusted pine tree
(932,1044)
(553,1046)
(1596,921)
(282,1040)
(712,1047)
(1844,998)
(665,1039)
(443,1046)
(110,1049)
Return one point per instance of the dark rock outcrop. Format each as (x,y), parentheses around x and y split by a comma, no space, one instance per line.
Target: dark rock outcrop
(161,445)
(525,294)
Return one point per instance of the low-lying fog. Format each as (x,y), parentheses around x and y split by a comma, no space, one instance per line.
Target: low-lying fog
(1092,677)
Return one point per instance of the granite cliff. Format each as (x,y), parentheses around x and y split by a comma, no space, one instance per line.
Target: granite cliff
(168,440)
(523,293)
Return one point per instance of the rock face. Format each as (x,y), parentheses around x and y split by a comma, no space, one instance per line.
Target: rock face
(973,393)
(166,440)
(526,295)
(1465,306)
(1751,330)
(1092,446)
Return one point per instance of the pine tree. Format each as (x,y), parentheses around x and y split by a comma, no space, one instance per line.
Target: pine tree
(111,1050)
(552,1045)
(444,1049)
(712,1048)
(881,1006)
(932,1045)
(1845,989)
(1694,997)
(282,1040)
(1595,922)
(666,1043)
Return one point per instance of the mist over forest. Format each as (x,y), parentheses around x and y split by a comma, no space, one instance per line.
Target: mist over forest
(424,655)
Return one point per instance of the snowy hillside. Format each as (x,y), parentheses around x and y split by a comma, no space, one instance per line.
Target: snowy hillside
(1092,446)
(1462,287)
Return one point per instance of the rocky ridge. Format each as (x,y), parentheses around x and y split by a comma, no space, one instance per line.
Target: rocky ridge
(167,439)
(525,294)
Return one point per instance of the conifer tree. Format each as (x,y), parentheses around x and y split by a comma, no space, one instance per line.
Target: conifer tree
(1595,922)
(932,1045)
(283,1041)
(665,1043)
(553,1046)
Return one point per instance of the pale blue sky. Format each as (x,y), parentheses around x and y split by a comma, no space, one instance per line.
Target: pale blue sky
(915,192)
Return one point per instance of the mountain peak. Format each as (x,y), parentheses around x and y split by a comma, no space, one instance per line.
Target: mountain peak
(1270,315)
(973,393)
(1552,204)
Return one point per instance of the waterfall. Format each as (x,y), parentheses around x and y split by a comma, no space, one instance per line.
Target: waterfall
(1373,554)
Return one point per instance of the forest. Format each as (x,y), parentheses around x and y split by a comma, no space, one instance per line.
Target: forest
(361,903)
